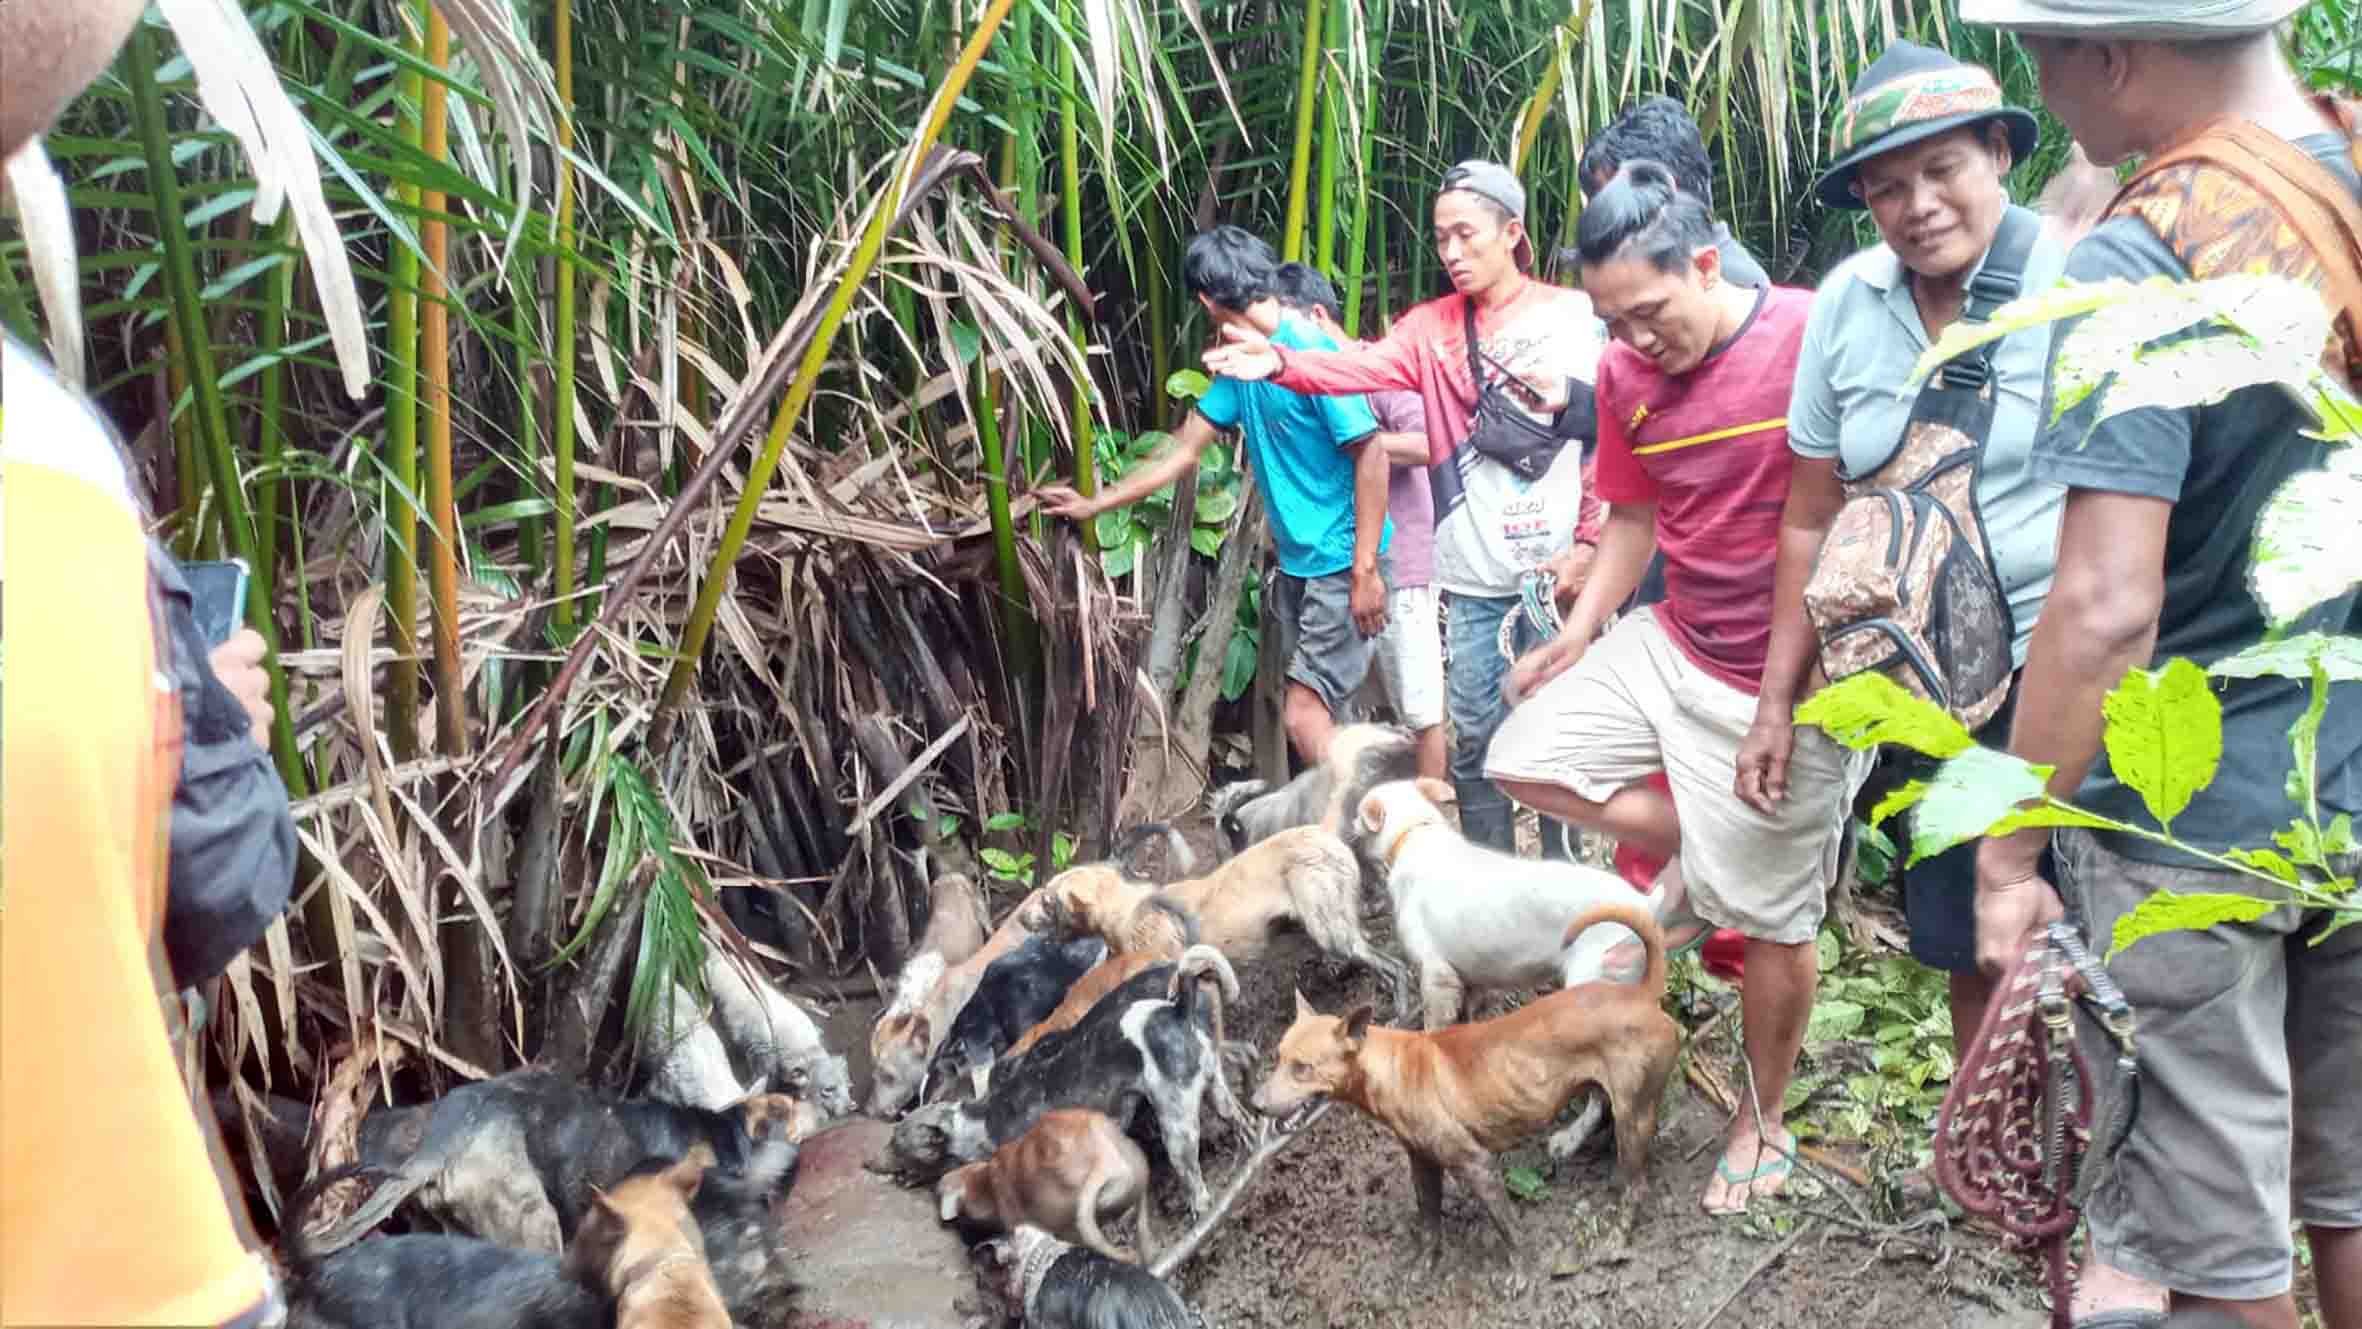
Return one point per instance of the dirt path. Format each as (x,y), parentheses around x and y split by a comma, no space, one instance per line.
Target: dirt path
(1329,1236)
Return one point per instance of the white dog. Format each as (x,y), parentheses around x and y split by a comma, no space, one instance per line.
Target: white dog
(1474,919)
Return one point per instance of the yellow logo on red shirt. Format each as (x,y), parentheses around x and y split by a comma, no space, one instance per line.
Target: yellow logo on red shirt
(1639,413)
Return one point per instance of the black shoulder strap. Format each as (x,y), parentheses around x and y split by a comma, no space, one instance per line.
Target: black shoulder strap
(1468,322)
(2001,280)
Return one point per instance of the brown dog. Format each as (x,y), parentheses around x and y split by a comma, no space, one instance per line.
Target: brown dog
(1071,1168)
(1455,1097)
(640,1244)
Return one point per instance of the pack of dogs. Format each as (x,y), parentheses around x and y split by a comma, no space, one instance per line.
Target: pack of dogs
(1027,1064)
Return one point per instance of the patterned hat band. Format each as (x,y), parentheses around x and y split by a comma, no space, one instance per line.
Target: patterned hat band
(1930,94)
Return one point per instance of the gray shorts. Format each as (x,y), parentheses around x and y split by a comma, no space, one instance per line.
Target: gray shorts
(1318,638)
(2245,1037)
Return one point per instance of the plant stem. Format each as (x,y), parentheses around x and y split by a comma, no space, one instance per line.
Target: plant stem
(807,379)
(400,466)
(1324,230)
(434,338)
(1291,231)
(1070,179)
(562,353)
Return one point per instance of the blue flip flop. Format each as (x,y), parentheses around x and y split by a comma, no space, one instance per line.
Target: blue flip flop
(1777,1168)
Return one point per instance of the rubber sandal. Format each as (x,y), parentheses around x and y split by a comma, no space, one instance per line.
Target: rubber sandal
(1776,1168)
(2125,1317)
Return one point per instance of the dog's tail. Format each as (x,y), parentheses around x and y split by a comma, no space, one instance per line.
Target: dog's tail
(1224,804)
(1180,863)
(1201,962)
(1636,915)
(303,1252)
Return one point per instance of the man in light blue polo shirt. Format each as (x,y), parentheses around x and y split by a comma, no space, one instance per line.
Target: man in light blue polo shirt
(1324,488)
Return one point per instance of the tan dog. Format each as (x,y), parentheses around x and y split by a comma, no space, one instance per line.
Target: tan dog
(1151,930)
(1457,1096)
(956,919)
(1073,1167)
(640,1243)
(928,996)
(1304,874)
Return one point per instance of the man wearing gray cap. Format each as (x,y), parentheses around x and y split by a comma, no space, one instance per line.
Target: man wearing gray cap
(2247,1119)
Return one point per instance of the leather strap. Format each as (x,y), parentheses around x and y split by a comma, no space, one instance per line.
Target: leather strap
(2315,204)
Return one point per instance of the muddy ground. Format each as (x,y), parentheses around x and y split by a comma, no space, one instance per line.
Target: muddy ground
(1329,1235)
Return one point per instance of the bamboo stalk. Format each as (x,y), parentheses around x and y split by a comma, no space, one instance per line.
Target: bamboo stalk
(400,465)
(562,352)
(1070,180)
(807,379)
(1291,231)
(270,406)
(1324,230)
(1365,185)
(434,357)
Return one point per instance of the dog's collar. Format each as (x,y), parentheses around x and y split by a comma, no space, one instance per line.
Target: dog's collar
(640,1271)
(1405,838)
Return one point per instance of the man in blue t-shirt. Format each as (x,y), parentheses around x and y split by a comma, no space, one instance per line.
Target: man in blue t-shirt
(1324,488)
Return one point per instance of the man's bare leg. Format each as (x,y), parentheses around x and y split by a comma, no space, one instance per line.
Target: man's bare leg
(1774,1003)
(1310,726)
(1435,755)
(2337,1273)
(1636,814)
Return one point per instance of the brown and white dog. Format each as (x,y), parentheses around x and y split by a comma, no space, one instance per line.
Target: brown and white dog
(640,1244)
(1072,1168)
(1155,930)
(928,995)
(1457,1096)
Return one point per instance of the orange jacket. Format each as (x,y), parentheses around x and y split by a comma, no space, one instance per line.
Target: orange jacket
(113,1207)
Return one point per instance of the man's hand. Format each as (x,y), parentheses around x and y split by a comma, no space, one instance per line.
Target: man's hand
(1541,664)
(1369,601)
(2012,900)
(1248,356)
(1063,501)
(1568,571)
(1763,757)
(238,664)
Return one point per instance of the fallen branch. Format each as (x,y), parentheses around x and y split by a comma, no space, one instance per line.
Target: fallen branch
(917,767)
(1269,1139)
(1766,1262)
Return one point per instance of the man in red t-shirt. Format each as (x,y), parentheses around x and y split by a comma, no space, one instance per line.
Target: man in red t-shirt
(1693,458)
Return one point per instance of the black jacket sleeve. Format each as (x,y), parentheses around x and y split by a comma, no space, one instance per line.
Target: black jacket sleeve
(232,858)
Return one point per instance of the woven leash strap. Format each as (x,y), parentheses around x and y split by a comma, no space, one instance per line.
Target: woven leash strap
(1537,604)
(2014,1137)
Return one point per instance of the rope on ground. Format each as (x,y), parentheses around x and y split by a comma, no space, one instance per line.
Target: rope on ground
(1770,1259)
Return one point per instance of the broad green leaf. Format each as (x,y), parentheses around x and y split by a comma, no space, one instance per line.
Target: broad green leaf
(2304,551)
(1868,709)
(1114,527)
(1004,821)
(1118,561)
(2165,735)
(2168,911)
(1970,793)
(1238,667)
(1826,951)
(2066,300)
(1147,443)
(1206,540)
(2293,657)
(1524,1182)
(2302,842)
(966,341)
(2338,836)
(2267,861)
(1905,796)
(1214,465)
(947,825)
(1874,855)
(1217,507)
(1003,862)
(1833,1019)
(2050,815)
(1187,384)
(1061,849)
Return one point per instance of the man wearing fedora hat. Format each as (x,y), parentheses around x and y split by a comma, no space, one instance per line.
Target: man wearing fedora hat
(2247,1035)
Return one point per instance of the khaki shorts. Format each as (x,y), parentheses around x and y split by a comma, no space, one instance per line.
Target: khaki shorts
(1635,705)
(2250,1080)
(1410,656)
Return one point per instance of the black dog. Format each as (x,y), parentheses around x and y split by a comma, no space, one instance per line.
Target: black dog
(1017,992)
(1150,1042)
(1049,1284)
(514,1160)
(428,1281)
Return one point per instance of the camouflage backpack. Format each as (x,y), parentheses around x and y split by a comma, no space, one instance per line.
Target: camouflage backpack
(1905,583)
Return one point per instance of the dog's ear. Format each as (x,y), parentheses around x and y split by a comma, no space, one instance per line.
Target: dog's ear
(1304,1009)
(688,1172)
(1438,792)
(1372,814)
(1358,1024)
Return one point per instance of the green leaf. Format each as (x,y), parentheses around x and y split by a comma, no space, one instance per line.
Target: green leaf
(1825,950)
(1187,384)
(1832,1020)
(1061,849)
(947,825)
(1004,821)
(1214,466)
(1004,862)
(2267,861)
(1874,855)
(1117,561)
(2304,551)
(2304,746)
(2050,815)
(1525,1183)
(1970,793)
(966,341)
(1206,540)
(2169,911)
(1868,709)
(1896,800)
(1114,527)
(2165,735)
(1238,666)
(1217,507)
(1144,445)
(2303,844)
(2338,837)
